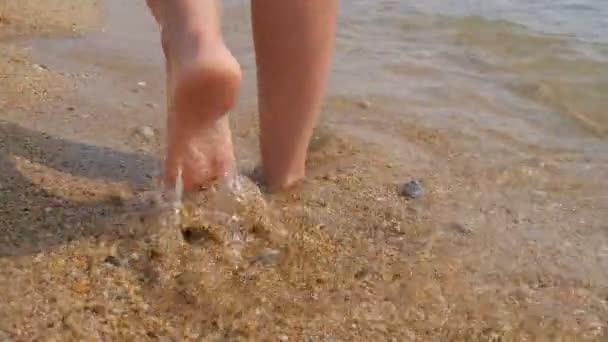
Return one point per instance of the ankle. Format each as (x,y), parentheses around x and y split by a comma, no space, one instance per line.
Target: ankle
(184,16)
(275,179)
(184,41)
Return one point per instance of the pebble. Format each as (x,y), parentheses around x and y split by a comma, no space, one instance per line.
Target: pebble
(118,198)
(142,84)
(112,260)
(283,338)
(365,104)
(362,273)
(412,189)
(40,67)
(151,105)
(146,132)
(71,108)
(330,177)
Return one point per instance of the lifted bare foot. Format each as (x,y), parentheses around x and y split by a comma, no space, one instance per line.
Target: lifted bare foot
(203,80)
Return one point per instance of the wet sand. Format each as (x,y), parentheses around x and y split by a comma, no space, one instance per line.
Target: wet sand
(509,241)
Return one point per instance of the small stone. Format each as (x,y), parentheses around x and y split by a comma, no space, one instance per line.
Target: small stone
(71,108)
(412,189)
(151,105)
(155,254)
(40,67)
(329,177)
(112,260)
(118,198)
(364,104)
(196,235)
(146,132)
(142,84)
(97,308)
(362,273)
(283,338)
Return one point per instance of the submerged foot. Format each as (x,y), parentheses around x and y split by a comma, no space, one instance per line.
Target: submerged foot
(203,80)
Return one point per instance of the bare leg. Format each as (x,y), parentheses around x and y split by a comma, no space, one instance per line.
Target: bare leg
(293,44)
(203,79)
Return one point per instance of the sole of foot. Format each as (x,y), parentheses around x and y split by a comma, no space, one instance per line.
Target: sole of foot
(203,84)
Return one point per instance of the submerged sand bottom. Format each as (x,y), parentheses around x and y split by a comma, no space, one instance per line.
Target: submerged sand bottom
(357,261)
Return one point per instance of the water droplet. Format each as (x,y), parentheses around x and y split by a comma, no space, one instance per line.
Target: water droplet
(179,191)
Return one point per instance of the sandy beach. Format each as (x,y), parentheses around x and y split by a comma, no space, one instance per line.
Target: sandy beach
(507,242)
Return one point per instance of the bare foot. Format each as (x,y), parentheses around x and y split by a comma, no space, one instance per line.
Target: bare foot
(203,80)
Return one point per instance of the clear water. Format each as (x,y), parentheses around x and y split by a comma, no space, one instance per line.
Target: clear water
(535,71)
(582,19)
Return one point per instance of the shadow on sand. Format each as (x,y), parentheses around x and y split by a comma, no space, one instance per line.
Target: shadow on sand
(34,219)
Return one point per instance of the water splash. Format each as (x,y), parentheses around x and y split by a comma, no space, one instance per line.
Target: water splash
(232,179)
(179,193)
(226,211)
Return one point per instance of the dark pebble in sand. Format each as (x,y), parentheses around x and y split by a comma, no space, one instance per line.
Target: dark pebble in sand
(199,235)
(71,108)
(118,198)
(112,260)
(412,189)
(155,254)
(362,273)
